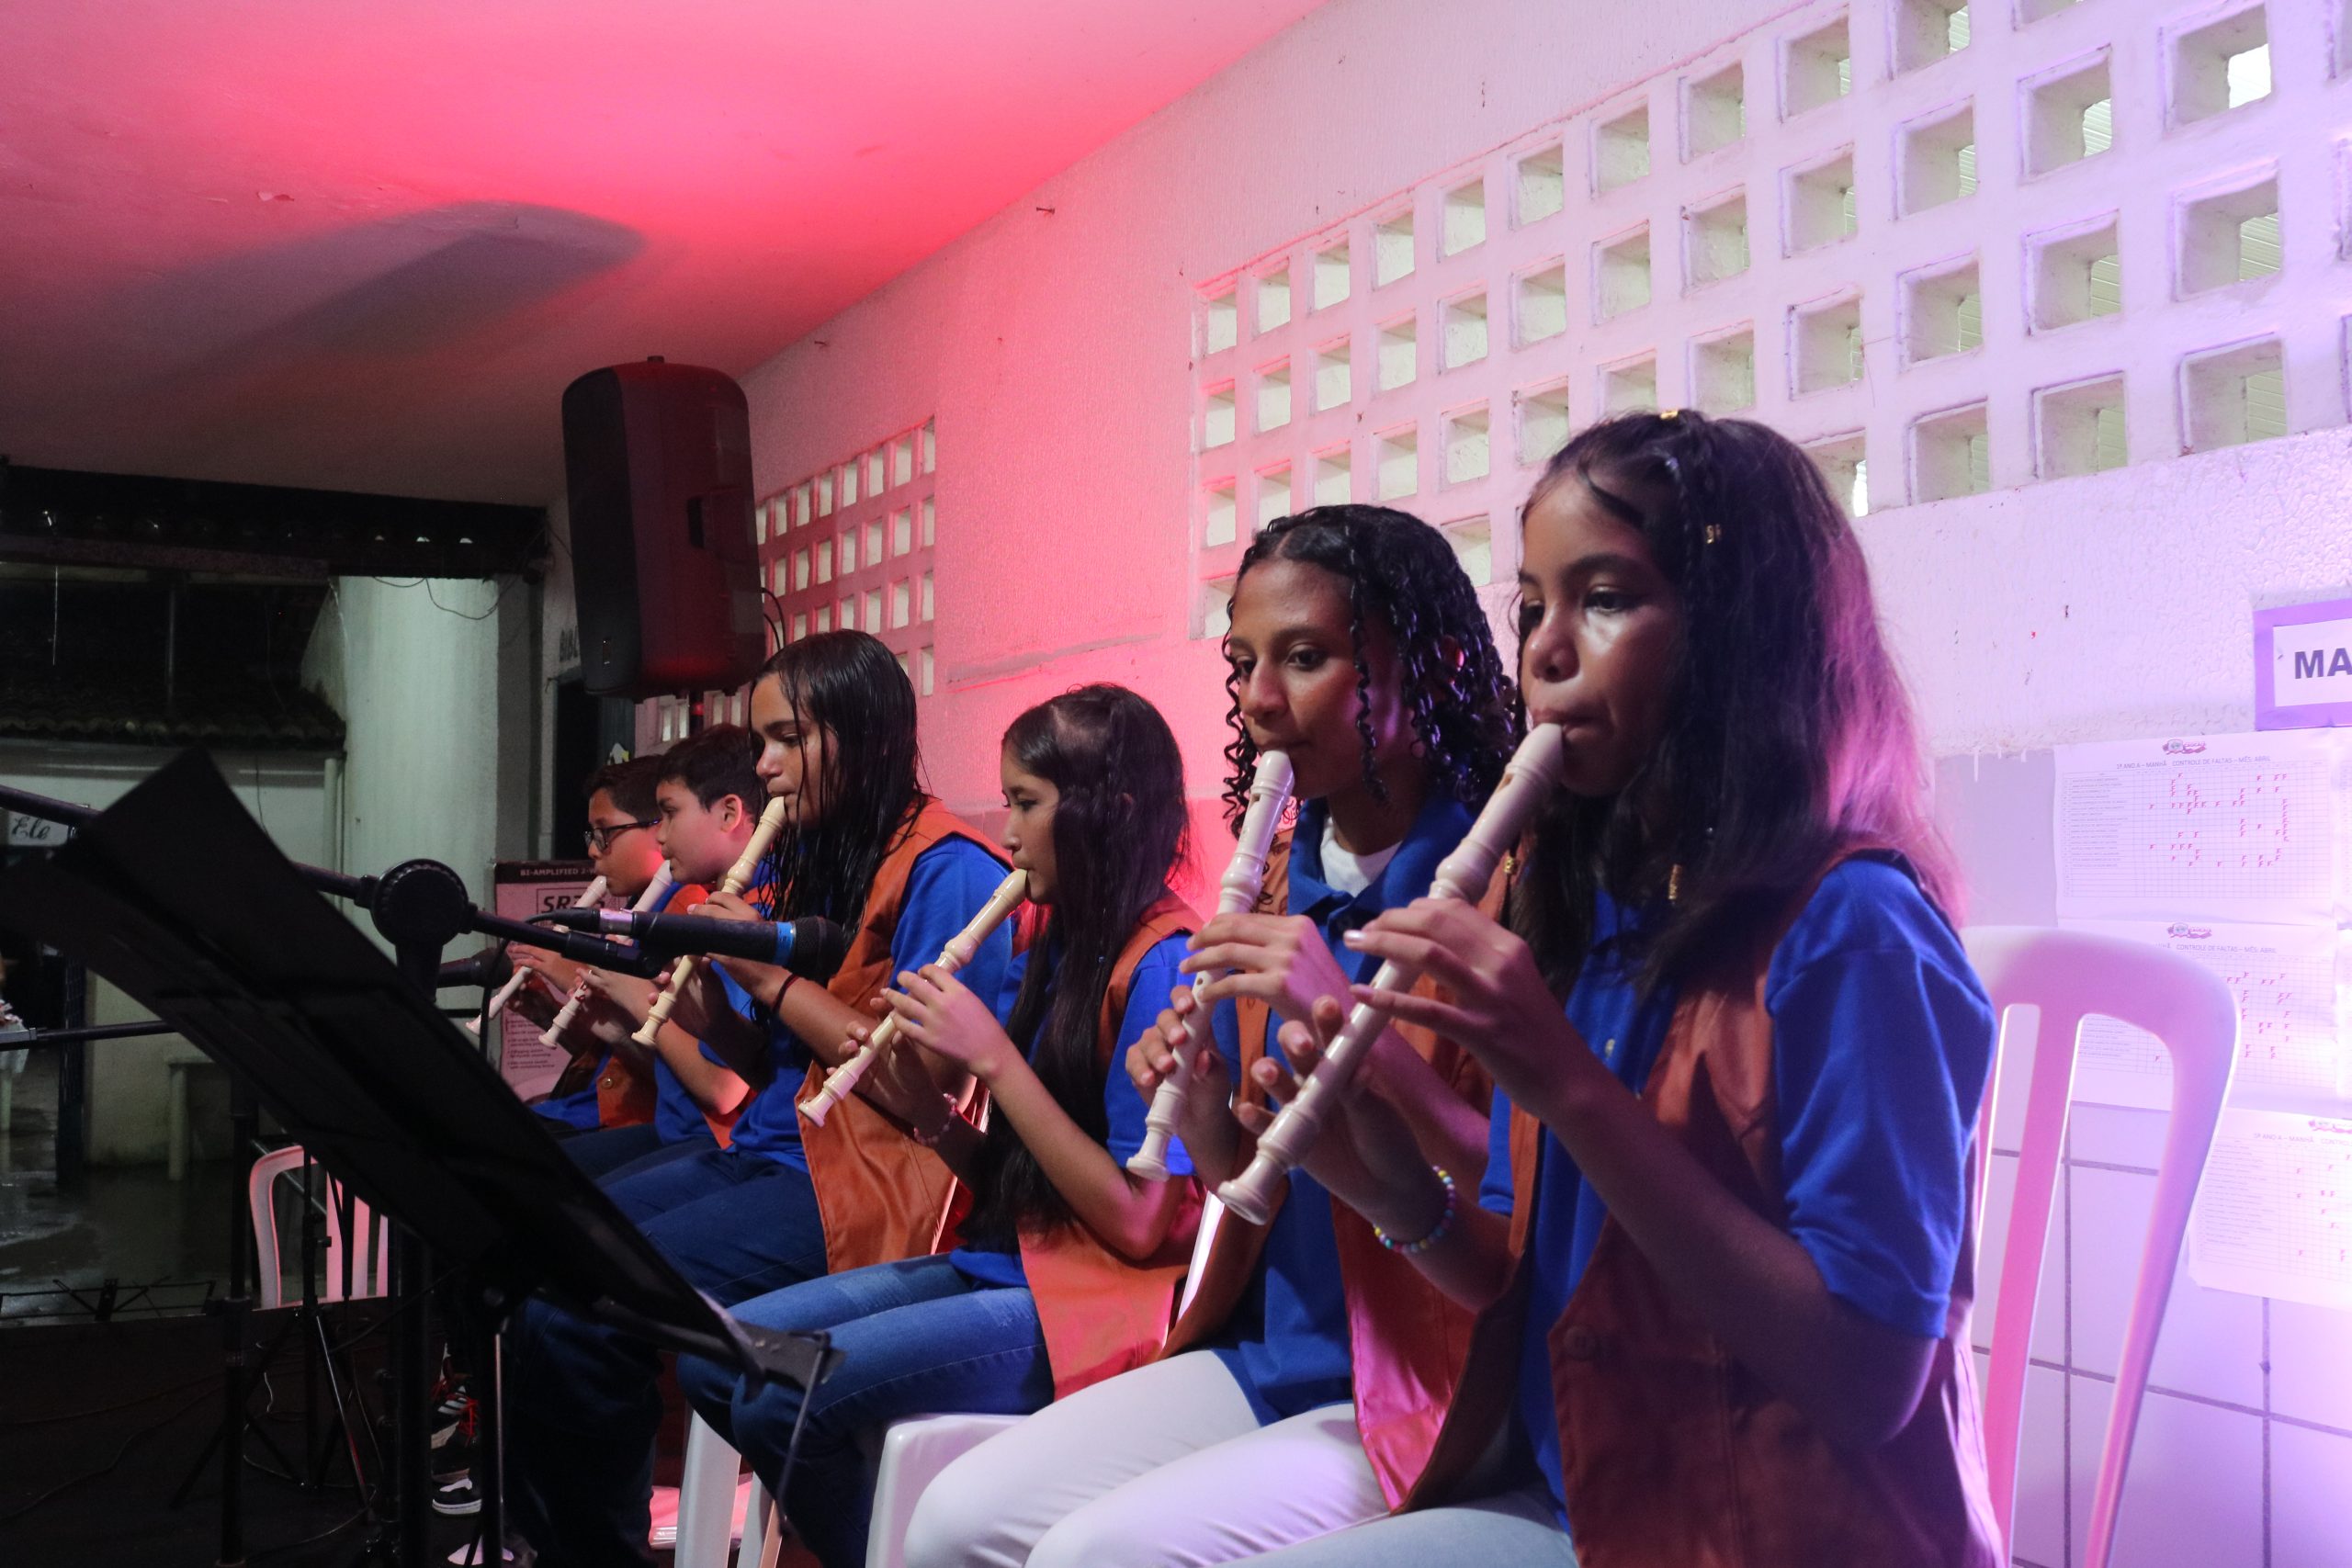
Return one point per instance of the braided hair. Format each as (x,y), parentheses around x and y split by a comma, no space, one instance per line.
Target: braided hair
(849,685)
(1119,834)
(1401,573)
(1788,732)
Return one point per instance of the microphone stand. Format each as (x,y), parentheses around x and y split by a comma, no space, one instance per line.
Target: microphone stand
(240,1370)
(419,907)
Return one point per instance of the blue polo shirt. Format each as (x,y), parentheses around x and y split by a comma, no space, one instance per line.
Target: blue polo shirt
(1882,1042)
(1123,1108)
(577,1110)
(1286,1343)
(948,883)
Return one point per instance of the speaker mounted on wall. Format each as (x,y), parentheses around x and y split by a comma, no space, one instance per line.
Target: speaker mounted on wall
(657,463)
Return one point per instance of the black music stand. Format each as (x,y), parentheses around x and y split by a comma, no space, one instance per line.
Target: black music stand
(356,1062)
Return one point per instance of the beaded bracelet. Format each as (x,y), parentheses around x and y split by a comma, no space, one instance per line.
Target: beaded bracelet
(930,1140)
(1437,1232)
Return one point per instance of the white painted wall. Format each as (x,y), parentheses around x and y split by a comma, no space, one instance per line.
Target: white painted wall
(442,761)
(1053,346)
(1053,342)
(415,669)
(2115,604)
(287,794)
(559,655)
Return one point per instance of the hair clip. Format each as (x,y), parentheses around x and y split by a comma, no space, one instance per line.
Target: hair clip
(1674,883)
(1669,414)
(1714,531)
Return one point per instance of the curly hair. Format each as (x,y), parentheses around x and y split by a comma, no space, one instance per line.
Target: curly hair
(1400,573)
(1788,732)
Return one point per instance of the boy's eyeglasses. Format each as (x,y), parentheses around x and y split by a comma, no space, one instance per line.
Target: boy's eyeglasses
(601,839)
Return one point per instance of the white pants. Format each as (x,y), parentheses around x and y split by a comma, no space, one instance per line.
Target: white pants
(1163,1467)
(1516,1529)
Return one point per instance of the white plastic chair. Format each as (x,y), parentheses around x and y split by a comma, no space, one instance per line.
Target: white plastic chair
(916,1450)
(2066,976)
(371,1259)
(912,1453)
(714,1506)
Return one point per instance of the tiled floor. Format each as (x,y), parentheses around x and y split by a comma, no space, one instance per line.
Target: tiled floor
(164,1244)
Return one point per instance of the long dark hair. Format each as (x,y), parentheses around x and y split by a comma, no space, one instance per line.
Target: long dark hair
(1788,732)
(850,685)
(1119,831)
(1400,572)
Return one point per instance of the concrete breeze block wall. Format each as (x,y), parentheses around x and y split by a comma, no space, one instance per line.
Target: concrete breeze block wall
(2056,291)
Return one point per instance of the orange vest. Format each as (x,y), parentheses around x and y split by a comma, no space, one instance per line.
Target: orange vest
(1673,1454)
(632,1092)
(625,1097)
(1102,1312)
(881,1196)
(1407,1340)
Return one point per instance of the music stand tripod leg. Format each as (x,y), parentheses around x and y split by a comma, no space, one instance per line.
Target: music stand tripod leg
(420,907)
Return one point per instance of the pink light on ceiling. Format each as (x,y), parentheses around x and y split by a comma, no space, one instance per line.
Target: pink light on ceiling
(318,241)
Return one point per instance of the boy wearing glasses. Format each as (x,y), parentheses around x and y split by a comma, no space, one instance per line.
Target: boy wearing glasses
(622,813)
(686,806)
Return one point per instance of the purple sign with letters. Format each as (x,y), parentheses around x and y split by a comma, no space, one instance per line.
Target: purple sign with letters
(2303,666)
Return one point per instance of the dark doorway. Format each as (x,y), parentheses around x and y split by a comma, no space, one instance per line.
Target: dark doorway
(589,732)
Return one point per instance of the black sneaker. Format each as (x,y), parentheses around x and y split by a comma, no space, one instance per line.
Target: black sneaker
(453,1468)
(456,1496)
(452,1407)
(453,1445)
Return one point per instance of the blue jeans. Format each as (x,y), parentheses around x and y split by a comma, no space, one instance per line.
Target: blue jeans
(600,1151)
(917,1337)
(582,1396)
(697,1142)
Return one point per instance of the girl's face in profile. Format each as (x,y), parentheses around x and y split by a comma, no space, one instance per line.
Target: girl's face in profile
(1598,624)
(792,752)
(1028,834)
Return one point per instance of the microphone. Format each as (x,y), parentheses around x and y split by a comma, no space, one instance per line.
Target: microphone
(484,968)
(811,947)
(594,952)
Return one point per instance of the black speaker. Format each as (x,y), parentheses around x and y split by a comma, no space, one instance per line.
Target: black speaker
(657,459)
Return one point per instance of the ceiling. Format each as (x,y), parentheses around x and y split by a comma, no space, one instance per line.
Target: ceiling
(364,246)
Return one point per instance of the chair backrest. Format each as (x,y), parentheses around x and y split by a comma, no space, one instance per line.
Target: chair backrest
(2064,976)
(368,1242)
(261,1204)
